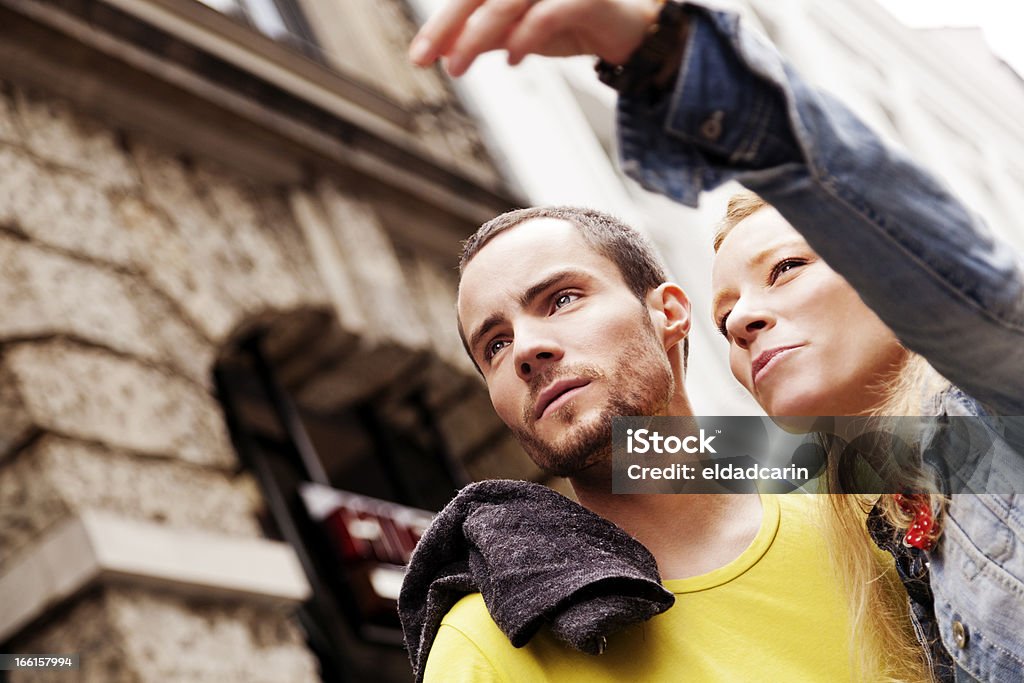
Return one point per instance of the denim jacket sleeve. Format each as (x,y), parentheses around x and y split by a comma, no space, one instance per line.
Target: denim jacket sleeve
(925,264)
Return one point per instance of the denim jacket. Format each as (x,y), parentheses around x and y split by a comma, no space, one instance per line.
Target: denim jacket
(922,261)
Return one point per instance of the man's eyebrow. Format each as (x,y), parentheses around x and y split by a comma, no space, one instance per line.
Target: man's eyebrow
(533,291)
(492,321)
(524,299)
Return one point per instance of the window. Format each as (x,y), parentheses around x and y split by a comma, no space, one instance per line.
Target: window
(281,20)
(351,493)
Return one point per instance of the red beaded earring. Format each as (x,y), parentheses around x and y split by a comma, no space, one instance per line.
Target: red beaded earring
(920,534)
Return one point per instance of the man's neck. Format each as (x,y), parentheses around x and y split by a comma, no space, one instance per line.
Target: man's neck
(688,534)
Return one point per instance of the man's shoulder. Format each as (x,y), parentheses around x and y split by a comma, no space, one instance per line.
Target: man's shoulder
(469,646)
(469,613)
(470,617)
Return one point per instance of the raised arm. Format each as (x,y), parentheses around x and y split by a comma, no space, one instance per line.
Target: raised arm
(464,29)
(926,265)
(920,259)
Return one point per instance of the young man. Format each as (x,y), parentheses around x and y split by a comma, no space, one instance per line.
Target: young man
(703,101)
(570,318)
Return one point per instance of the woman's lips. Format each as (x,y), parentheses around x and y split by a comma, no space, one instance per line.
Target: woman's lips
(768,359)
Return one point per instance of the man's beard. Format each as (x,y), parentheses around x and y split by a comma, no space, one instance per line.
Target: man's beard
(642,383)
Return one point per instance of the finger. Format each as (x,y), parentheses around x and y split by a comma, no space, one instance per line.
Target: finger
(611,30)
(540,31)
(486,30)
(440,31)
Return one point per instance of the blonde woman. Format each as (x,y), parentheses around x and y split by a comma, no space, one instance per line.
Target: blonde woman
(802,342)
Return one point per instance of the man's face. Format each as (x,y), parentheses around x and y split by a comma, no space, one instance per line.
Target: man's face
(562,342)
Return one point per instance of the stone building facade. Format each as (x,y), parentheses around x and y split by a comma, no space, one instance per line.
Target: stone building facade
(179,186)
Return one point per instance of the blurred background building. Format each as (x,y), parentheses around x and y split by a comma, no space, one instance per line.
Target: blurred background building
(231,388)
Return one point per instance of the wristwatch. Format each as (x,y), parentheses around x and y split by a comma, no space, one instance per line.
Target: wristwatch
(653,65)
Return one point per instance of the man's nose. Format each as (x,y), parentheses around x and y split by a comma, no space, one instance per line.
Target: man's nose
(535,349)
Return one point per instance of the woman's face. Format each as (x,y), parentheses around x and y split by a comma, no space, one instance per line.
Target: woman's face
(800,339)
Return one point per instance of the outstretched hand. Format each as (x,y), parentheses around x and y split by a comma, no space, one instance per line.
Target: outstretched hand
(465,29)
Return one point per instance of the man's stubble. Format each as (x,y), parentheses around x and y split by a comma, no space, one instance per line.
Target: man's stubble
(642,383)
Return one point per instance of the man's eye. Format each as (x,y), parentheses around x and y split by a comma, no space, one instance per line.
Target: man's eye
(565,299)
(494,347)
(784,266)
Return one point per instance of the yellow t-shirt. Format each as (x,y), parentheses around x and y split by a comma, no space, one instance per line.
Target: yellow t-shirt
(775,613)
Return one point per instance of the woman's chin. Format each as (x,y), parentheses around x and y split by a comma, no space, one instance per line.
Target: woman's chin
(796,424)
(803,405)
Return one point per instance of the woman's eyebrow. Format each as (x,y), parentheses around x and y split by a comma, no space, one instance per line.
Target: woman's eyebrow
(763,255)
(718,299)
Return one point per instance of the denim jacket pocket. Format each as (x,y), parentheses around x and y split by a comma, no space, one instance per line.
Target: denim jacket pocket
(978,582)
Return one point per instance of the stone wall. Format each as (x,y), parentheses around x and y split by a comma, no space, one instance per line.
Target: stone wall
(139,636)
(125,272)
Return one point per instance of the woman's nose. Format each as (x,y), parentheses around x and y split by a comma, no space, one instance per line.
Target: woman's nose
(745,323)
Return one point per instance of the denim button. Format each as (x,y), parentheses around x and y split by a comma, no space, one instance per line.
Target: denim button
(711,129)
(960,634)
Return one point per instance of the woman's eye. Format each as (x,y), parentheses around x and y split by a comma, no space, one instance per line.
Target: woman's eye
(722,325)
(784,266)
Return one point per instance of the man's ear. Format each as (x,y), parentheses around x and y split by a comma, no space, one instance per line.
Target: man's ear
(670,313)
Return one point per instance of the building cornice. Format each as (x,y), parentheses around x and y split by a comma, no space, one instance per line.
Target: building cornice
(180,71)
(98,547)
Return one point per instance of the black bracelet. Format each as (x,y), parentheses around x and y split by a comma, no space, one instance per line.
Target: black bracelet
(652,66)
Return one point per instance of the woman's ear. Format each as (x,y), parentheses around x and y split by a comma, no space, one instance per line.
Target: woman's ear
(670,313)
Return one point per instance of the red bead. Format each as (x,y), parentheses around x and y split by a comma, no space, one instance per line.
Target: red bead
(919,534)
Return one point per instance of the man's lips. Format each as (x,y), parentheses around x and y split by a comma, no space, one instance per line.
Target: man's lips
(557,392)
(762,362)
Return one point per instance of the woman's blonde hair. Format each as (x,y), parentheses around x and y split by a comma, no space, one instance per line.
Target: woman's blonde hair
(879,612)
